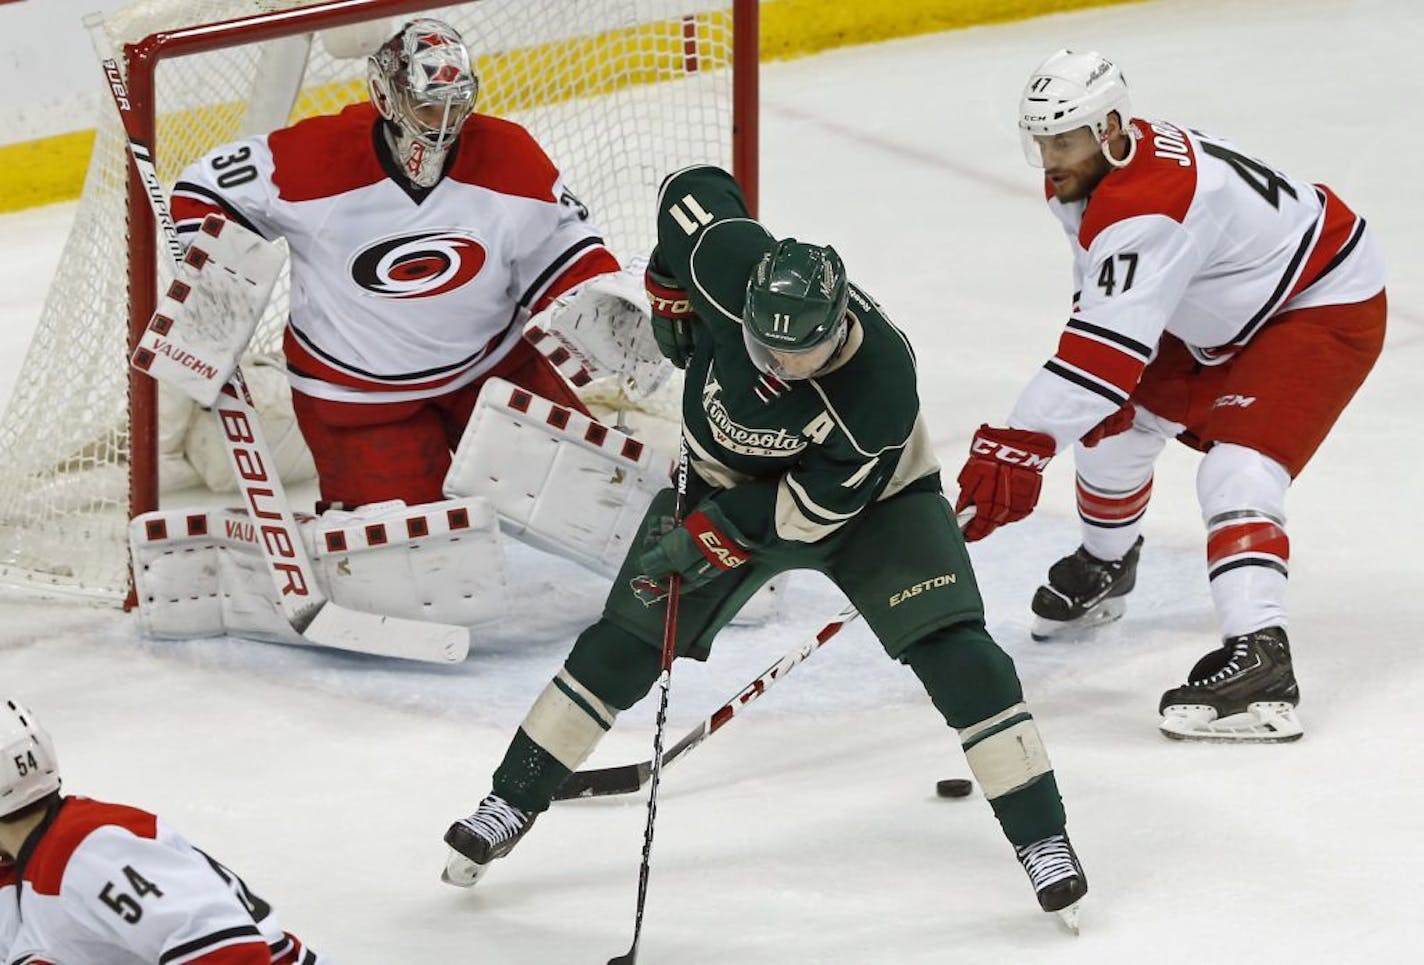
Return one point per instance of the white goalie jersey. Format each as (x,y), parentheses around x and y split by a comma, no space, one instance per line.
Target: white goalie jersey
(398,290)
(112,885)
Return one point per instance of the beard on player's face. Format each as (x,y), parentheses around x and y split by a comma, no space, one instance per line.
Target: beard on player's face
(1074,182)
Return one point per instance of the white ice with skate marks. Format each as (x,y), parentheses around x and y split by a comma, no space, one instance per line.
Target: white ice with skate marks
(809,831)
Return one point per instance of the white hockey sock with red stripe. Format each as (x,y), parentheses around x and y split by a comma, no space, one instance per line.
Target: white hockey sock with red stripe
(1242,495)
(1115,484)
(1111,519)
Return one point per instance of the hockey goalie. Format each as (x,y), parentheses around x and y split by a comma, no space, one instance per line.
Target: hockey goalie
(447,289)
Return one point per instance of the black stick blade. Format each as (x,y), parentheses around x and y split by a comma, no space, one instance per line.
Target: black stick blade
(629,959)
(605,782)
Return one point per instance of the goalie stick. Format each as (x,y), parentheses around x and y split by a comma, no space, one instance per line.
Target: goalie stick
(630,778)
(313,617)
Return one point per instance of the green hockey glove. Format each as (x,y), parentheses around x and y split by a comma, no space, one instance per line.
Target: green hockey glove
(704,547)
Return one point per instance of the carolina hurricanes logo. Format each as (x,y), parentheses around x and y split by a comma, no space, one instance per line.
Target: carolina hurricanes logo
(419,265)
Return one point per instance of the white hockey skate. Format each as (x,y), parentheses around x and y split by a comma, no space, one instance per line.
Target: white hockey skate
(1262,722)
(1244,692)
(460,871)
(1100,614)
(476,841)
(1083,593)
(1057,877)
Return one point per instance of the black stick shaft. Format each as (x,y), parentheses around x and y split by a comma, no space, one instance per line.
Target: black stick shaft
(669,652)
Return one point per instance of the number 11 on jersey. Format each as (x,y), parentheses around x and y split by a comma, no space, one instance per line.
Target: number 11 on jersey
(689,215)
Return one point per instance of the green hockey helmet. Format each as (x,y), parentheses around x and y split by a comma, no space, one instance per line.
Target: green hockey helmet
(795,316)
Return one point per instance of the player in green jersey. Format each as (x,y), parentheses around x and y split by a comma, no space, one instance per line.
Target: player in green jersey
(808,451)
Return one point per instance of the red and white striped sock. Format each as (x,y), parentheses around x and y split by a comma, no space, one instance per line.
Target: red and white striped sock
(1111,519)
(1248,562)
(1243,494)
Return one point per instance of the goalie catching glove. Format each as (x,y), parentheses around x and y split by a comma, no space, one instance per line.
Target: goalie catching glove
(672,315)
(704,547)
(1002,477)
(600,329)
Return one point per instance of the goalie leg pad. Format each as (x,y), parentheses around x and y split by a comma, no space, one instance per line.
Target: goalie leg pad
(206,318)
(568,720)
(559,480)
(202,573)
(440,562)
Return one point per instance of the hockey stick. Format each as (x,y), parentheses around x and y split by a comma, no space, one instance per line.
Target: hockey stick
(669,653)
(314,617)
(630,778)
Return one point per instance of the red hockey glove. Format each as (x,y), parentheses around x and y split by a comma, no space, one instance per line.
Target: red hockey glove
(672,316)
(1119,421)
(704,547)
(1002,477)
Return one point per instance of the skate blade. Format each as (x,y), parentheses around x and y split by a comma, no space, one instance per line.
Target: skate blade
(1263,722)
(1069,915)
(1108,611)
(460,871)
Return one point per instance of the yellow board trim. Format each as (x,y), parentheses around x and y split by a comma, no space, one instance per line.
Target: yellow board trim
(40,172)
(52,169)
(795,28)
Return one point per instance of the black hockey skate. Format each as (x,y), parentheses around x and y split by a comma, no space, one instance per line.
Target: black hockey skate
(1243,692)
(491,832)
(1083,592)
(1057,877)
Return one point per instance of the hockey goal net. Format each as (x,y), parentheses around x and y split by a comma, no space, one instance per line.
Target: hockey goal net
(619,93)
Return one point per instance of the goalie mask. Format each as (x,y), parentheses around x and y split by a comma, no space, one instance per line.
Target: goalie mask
(1068,92)
(422,83)
(29,769)
(795,316)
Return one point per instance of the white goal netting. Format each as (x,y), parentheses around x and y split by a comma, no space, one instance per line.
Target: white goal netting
(619,93)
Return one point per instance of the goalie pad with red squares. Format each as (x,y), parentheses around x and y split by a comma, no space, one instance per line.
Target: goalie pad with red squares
(206,317)
(200,572)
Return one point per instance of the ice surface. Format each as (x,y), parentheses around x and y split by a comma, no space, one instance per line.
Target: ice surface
(809,831)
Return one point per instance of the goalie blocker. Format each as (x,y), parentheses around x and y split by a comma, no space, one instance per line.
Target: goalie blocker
(205,320)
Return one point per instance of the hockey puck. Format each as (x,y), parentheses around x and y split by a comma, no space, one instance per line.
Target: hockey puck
(954,787)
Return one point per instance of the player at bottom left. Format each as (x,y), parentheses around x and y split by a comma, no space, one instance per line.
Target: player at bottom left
(83,882)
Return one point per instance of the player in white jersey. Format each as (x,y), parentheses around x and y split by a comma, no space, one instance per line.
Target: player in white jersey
(1219,302)
(88,883)
(422,236)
